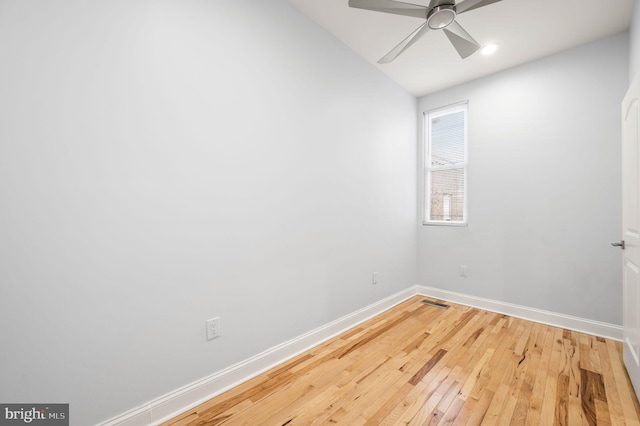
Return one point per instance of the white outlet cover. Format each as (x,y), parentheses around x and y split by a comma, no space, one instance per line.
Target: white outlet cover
(213,328)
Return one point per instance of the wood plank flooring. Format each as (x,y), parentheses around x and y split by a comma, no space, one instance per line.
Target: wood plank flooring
(420,365)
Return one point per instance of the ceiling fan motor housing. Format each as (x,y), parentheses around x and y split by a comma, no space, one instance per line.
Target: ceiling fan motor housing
(441,16)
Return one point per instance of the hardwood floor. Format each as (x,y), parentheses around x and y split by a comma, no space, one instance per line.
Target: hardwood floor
(418,364)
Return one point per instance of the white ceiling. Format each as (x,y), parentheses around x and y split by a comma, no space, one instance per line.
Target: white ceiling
(525,30)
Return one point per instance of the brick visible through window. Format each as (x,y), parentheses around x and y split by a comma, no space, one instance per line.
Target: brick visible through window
(445,166)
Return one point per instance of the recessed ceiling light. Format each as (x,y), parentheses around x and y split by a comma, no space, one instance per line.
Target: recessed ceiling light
(489,49)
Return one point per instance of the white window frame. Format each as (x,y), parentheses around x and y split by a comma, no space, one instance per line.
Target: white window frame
(427,167)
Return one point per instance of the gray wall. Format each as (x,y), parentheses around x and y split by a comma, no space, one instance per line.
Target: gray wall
(165,162)
(634,42)
(544,186)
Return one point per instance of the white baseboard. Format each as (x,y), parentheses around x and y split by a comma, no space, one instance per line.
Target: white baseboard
(602,329)
(180,400)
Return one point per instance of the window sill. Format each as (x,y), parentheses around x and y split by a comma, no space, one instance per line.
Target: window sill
(452,224)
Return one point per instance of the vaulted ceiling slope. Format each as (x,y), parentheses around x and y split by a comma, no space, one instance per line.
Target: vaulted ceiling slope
(525,30)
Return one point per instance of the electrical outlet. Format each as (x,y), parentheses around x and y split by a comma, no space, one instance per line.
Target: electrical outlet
(375,278)
(463,271)
(213,328)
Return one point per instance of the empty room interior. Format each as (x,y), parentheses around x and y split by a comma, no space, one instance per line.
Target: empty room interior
(243,212)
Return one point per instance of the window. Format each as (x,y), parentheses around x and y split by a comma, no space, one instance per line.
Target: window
(445,166)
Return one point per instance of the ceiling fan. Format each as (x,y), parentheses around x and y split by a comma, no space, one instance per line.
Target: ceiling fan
(439,15)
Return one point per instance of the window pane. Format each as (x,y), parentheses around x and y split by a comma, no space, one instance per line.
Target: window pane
(447,195)
(447,139)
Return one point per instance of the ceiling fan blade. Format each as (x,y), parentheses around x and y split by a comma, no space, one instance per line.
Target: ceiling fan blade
(390,6)
(405,44)
(467,5)
(461,40)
